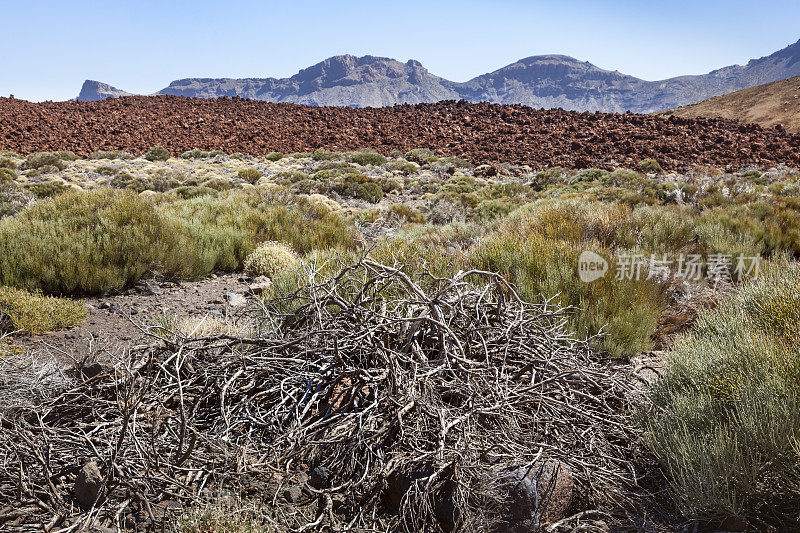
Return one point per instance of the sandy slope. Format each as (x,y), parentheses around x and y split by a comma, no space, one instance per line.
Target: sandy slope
(768,105)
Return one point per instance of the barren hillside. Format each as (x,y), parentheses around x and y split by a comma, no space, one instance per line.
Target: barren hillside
(768,105)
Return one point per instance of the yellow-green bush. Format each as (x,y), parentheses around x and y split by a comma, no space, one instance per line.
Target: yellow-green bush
(538,248)
(7,175)
(226,228)
(367,157)
(43,159)
(36,313)
(249,174)
(93,242)
(157,153)
(84,242)
(725,419)
(625,311)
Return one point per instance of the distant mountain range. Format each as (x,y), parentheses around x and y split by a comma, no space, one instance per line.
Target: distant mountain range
(540,81)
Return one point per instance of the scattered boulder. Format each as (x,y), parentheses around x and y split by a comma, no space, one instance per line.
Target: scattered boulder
(87,485)
(536,495)
(236,300)
(260,284)
(320,478)
(530,496)
(485,171)
(293,494)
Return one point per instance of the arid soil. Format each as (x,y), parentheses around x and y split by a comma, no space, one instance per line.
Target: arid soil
(477,132)
(769,105)
(113,322)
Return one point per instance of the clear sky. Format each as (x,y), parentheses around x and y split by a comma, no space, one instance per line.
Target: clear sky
(49,47)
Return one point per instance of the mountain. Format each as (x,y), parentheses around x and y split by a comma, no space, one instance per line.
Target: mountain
(768,105)
(337,81)
(539,81)
(555,81)
(95,90)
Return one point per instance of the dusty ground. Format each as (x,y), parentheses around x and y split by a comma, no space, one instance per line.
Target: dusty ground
(114,321)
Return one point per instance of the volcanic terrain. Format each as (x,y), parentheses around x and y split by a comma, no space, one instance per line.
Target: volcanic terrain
(477,132)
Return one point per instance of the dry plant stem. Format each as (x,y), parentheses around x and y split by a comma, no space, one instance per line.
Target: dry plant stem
(377,376)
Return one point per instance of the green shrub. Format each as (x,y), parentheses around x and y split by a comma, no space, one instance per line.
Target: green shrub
(157,153)
(7,175)
(106,170)
(7,163)
(409,214)
(46,189)
(225,229)
(67,155)
(367,157)
(401,165)
(270,259)
(192,191)
(300,155)
(43,159)
(249,174)
(419,155)
(455,162)
(35,313)
(488,210)
(288,177)
(321,154)
(459,184)
(359,186)
(588,175)
(626,311)
(538,247)
(195,153)
(274,156)
(218,184)
(725,419)
(649,165)
(85,242)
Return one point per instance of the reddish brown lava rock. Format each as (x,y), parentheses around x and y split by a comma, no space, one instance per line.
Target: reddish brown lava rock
(481,133)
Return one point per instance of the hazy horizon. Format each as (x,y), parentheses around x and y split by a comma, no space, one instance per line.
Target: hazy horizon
(133,46)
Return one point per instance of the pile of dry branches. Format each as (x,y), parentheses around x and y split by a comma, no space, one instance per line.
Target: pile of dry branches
(404,396)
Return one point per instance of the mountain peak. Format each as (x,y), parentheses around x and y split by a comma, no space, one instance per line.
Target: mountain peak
(94,90)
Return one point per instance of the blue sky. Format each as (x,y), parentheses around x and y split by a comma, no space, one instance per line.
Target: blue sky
(49,48)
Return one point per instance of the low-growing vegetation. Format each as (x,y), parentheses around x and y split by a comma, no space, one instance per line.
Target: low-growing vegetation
(725,419)
(722,422)
(157,153)
(22,311)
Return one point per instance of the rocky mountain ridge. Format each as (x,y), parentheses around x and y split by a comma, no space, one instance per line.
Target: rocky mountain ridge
(548,81)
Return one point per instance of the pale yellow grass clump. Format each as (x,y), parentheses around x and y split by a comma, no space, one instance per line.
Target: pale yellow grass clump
(270,258)
(193,327)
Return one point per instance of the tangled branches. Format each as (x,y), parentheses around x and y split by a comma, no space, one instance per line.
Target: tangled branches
(409,400)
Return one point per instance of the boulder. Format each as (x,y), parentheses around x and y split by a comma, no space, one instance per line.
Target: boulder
(87,484)
(535,495)
(236,299)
